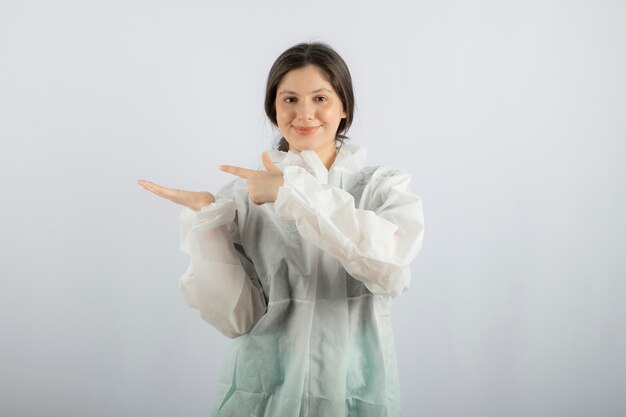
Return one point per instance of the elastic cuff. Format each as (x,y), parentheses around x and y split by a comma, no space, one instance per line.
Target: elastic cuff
(299,184)
(216,214)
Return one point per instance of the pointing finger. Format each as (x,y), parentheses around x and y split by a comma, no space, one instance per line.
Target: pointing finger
(241,172)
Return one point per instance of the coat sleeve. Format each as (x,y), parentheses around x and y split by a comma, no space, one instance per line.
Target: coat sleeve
(220,281)
(374,242)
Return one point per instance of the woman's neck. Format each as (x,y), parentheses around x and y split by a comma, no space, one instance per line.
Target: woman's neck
(327,155)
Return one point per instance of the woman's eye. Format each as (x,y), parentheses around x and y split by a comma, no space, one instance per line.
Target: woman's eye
(287,99)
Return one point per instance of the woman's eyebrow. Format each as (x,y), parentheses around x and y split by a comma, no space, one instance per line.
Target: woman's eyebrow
(312,92)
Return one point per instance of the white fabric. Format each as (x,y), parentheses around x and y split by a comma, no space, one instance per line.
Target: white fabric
(303,285)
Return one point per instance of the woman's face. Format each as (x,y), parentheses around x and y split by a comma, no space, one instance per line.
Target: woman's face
(305,99)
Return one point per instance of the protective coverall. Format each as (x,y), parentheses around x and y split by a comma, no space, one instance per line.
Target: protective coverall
(303,286)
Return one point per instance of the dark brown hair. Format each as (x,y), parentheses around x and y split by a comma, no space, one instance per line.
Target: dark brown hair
(331,65)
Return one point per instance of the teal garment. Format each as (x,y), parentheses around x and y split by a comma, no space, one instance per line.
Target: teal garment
(303,286)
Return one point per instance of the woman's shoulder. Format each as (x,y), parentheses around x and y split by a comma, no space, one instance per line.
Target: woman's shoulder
(378,173)
(375,183)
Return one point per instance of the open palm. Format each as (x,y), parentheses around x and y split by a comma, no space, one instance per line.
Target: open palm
(195,200)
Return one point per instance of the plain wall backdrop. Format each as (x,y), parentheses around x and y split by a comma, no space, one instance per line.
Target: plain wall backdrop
(510,117)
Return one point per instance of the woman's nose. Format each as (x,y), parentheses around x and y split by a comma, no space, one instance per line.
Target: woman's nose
(305,112)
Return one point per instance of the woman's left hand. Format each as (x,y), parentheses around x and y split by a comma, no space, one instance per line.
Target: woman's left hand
(262,185)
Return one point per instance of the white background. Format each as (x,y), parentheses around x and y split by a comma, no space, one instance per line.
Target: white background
(509,116)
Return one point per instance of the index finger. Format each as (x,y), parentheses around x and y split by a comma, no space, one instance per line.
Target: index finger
(239,171)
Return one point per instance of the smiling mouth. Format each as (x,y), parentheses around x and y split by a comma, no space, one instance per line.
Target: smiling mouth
(306,130)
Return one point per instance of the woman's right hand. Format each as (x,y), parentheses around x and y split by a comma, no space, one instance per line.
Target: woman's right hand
(195,200)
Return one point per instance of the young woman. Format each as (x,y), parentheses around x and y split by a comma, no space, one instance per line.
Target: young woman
(298,262)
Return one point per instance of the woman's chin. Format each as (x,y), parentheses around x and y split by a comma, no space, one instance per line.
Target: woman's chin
(301,144)
(304,144)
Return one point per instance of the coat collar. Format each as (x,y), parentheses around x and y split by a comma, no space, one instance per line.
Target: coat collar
(351,158)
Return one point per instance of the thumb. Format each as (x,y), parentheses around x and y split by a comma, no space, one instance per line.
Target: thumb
(269,165)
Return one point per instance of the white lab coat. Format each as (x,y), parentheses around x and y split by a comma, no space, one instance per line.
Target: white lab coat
(303,285)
